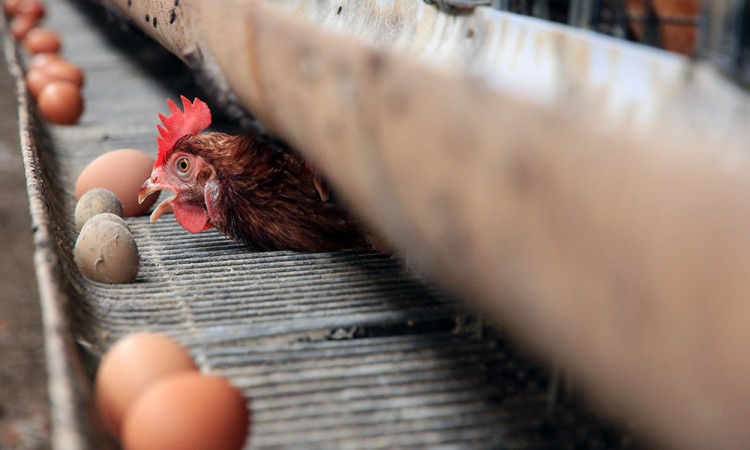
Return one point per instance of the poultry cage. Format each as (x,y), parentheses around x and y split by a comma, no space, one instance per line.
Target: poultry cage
(562,197)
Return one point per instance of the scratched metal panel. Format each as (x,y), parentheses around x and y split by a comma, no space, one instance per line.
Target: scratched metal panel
(629,87)
(342,349)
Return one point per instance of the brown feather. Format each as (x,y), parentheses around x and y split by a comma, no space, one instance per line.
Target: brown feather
(268,197)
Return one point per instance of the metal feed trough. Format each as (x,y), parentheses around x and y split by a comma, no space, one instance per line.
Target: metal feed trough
(586,194)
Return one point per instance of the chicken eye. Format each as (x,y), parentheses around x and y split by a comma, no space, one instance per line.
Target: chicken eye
(183,165)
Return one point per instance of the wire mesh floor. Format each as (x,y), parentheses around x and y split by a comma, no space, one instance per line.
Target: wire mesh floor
(333,350)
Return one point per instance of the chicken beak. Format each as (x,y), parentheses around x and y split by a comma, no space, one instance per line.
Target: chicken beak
(152,185)
(147,189)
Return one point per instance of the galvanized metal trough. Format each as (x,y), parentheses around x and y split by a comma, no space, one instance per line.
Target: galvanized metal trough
(588,195)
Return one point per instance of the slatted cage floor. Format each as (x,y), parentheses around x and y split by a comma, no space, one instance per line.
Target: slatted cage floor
(334,350)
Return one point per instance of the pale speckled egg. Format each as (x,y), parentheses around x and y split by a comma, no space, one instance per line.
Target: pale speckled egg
(96,201)
(110,217)
(106,252)
(122,172)
(187,411)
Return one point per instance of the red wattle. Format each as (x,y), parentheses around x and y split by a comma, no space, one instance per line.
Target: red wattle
(193,218)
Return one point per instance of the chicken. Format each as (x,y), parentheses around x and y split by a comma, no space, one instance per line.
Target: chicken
(247,188)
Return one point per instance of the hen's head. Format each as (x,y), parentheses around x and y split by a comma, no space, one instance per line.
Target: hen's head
(180,169)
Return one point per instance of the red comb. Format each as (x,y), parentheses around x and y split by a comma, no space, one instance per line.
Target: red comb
(195,119)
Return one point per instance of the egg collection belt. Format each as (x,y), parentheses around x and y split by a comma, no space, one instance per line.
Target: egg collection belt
(343,349)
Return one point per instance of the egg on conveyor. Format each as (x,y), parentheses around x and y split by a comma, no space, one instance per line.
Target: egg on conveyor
(188,411)
(42,40)
(105,251)
(129,367)
(123,172)
(110,217)
(60,102)
(96,201)
(48,68)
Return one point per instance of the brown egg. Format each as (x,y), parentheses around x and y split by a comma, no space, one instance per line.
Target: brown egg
(33,9)
(21,26)
(131,366)
(41,74)
(41,40)
(60,102)
(10,7)
(187,411)
(122,172)
(36,80)
(42,59)
(62,69)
